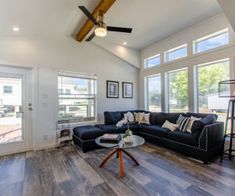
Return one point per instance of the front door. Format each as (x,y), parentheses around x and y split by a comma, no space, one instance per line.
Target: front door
(15,110)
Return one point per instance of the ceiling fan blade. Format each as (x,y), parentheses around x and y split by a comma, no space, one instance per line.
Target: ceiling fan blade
(88,14)
(119,29)
(90,37)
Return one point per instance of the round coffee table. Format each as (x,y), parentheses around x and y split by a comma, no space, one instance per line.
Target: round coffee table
(119,148)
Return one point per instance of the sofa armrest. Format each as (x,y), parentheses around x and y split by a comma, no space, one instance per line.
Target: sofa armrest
(211,135)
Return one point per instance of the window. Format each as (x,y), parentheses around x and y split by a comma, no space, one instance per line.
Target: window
(211,41)
(208,77)
(77,98)
(178,90)
(67,91)
(7,89)
(152,61)
(176,53)
(153,86)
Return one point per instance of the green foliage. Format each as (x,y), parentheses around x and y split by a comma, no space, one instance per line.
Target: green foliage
(208,78)
(179,88)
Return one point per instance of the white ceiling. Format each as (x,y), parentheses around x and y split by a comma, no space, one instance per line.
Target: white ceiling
(151,20)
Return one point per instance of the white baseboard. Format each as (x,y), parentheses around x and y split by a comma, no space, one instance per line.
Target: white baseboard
(16,151)
(43,147)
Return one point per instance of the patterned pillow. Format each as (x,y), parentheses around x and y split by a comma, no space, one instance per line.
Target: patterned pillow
(183,123)
(190,124)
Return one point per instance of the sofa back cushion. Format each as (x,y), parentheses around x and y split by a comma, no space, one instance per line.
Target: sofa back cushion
(158,118)
(111,118)
(198,125)
(133,111)
(207,118)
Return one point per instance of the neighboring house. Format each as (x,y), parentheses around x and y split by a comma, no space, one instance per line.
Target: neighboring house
(10,94)
(216,103)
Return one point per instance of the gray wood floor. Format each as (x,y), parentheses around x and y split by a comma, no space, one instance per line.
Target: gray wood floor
(68,171)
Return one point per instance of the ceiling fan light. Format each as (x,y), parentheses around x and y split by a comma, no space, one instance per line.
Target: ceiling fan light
(100,31)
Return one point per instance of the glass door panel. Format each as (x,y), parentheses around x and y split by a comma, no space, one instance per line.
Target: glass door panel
(10,110)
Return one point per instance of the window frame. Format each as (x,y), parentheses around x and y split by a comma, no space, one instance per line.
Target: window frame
(196,79)
(211,36)
(175,49)
(150,58)
(167,86)
(147,90)
(78,76)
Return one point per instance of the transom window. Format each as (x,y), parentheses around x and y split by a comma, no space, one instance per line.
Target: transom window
(77,98)
(211,41)
(176,53)
(152,61)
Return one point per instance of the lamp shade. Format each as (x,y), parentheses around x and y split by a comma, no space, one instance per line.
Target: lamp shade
(227,88)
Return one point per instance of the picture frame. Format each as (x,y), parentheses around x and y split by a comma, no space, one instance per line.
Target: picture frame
(127,90)
(112,89)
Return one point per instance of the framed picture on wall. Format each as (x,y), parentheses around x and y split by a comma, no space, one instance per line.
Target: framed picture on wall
(127,90)
(112,88)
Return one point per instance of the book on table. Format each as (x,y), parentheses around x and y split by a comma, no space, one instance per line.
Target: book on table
(110,138)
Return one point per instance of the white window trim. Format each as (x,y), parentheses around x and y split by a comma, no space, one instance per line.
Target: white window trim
(174,49)
(212,35)
(196,93)
(167,82)
(147,90)
(150,58)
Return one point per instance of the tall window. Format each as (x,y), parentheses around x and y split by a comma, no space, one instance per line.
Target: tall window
(153,84)
(178,90)
(176,53)
(77,98)
(152,61)
(211,41)
(208,77)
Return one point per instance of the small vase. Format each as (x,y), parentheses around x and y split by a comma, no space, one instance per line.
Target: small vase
(128,139)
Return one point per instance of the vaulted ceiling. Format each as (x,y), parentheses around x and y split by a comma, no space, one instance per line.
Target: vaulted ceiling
(151,20)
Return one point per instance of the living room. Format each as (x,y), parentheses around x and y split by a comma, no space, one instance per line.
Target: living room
(164,62)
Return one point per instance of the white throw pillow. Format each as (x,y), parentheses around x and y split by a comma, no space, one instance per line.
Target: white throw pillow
(129,117)
(144,118)
(190,124)
(170,125)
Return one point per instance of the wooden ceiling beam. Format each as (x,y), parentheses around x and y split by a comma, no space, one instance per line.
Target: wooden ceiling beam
(104,5)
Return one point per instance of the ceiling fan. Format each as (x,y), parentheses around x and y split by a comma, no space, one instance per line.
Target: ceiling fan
(100,27)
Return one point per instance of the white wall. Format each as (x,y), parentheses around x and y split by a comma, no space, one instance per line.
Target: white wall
(47,57)
(204,28)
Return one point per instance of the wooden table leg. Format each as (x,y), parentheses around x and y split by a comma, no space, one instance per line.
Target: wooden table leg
(129,155)
(108,157)
(121,172)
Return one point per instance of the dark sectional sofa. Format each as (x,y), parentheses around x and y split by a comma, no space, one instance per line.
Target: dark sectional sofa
(204,143)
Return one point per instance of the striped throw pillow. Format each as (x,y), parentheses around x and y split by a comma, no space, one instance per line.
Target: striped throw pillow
(183,122)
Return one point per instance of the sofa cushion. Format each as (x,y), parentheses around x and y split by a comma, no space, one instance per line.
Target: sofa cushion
(87,132)
(154,130)
(132,111)
(112,128)
(161,117)
(111,118)
(203,115)
(182,137)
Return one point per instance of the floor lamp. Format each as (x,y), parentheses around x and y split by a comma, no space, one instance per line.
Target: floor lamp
(227,90)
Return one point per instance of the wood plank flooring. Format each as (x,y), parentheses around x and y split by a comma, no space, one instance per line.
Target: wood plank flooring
(68,171)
